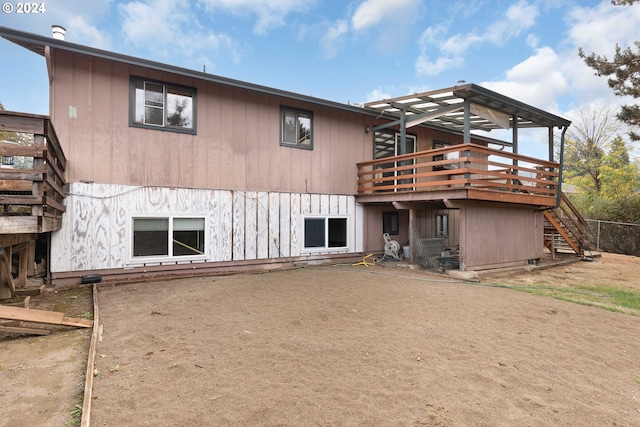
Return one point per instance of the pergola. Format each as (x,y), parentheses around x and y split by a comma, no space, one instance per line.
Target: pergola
(464,108)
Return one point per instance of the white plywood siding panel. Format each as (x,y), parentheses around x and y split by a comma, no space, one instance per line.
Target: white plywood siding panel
(296,210)
(334,204)
(221,218)
(250,221)
(324,204)
(315,204)
(274,225)
(238,224)
(96,228)
(263,225)
(305,203)
(284,236)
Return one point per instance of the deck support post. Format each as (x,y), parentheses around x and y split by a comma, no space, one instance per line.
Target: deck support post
(514,143)
(403,132)
(551,153)
(466,138)
(412,246)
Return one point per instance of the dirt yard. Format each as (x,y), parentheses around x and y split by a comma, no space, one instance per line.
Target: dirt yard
(341,346)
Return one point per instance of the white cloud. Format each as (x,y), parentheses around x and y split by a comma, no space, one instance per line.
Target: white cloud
(460,43)
(332,37)
(168,28)
(532,41)
(517,18)
(270,13)
(537,81)
(158,24)
(377,95)
(599,29)
(375,12)
(80,31)
(391,20)
(426,67)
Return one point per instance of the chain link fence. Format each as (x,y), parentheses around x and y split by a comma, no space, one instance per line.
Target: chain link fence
(615,237)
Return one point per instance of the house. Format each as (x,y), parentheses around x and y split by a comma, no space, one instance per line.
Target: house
(171,171)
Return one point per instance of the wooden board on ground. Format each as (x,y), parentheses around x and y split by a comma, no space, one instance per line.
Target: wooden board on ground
(7,286)
(30,291)
(24,330)
(42,316)
(17,302)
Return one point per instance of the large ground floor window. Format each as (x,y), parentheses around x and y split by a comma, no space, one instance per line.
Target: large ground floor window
(325,233)
(167,237)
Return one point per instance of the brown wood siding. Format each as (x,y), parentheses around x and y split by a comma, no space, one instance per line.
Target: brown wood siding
(496,236)
(373,240)
(236,145)
(427,228)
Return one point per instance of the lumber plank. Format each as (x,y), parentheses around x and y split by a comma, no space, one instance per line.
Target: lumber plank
(42,316)
(85,421)
(7,286)
(17,302)
(30,291)
(25,330)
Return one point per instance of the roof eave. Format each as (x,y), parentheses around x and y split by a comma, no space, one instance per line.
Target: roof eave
(536,115)
(36,43)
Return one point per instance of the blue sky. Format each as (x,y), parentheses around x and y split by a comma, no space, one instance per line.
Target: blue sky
(344,51)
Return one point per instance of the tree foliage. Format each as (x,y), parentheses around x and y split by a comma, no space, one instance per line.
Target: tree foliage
(624,75)
(591,133)
(598,164)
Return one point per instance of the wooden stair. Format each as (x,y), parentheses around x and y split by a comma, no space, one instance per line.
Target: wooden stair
(564,228)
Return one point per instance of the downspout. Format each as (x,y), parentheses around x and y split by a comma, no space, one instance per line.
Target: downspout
(561,160)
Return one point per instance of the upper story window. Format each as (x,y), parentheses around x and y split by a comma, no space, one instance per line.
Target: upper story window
(162,106)
(296,128)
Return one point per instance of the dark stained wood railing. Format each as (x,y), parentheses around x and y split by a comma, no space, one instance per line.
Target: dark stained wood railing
(31,199)
(461,167)
(566,221)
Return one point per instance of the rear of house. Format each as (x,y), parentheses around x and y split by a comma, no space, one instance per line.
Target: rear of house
(175,172)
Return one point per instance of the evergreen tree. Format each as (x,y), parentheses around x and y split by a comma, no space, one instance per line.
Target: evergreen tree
(624,75)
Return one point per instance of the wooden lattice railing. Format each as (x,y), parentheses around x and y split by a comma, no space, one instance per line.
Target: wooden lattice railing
(459,167)
(31,194)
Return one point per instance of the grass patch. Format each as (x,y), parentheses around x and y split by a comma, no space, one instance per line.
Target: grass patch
(606,297)
(76,416)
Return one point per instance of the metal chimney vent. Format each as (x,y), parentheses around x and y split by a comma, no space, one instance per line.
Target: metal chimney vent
(58,32)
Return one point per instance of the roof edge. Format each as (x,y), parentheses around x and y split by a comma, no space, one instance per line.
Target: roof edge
(36,43)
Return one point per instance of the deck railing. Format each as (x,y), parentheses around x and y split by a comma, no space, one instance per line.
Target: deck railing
(31,193)
(464,166)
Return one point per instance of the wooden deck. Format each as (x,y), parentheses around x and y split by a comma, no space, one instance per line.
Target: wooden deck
(32,181)
(460,172)
(31,199)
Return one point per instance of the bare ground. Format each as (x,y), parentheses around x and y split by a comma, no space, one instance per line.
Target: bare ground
(346,346)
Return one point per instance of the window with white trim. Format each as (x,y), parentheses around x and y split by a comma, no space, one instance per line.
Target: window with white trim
(296,128)
(158,105)
(325,233)
(167,237)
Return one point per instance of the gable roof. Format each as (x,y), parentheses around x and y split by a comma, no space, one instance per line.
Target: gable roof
(37,43)
(440,109)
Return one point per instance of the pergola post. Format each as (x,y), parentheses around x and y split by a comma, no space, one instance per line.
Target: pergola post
(514,141)
(467,121)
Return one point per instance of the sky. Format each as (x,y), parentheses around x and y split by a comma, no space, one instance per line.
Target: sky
(344,51)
